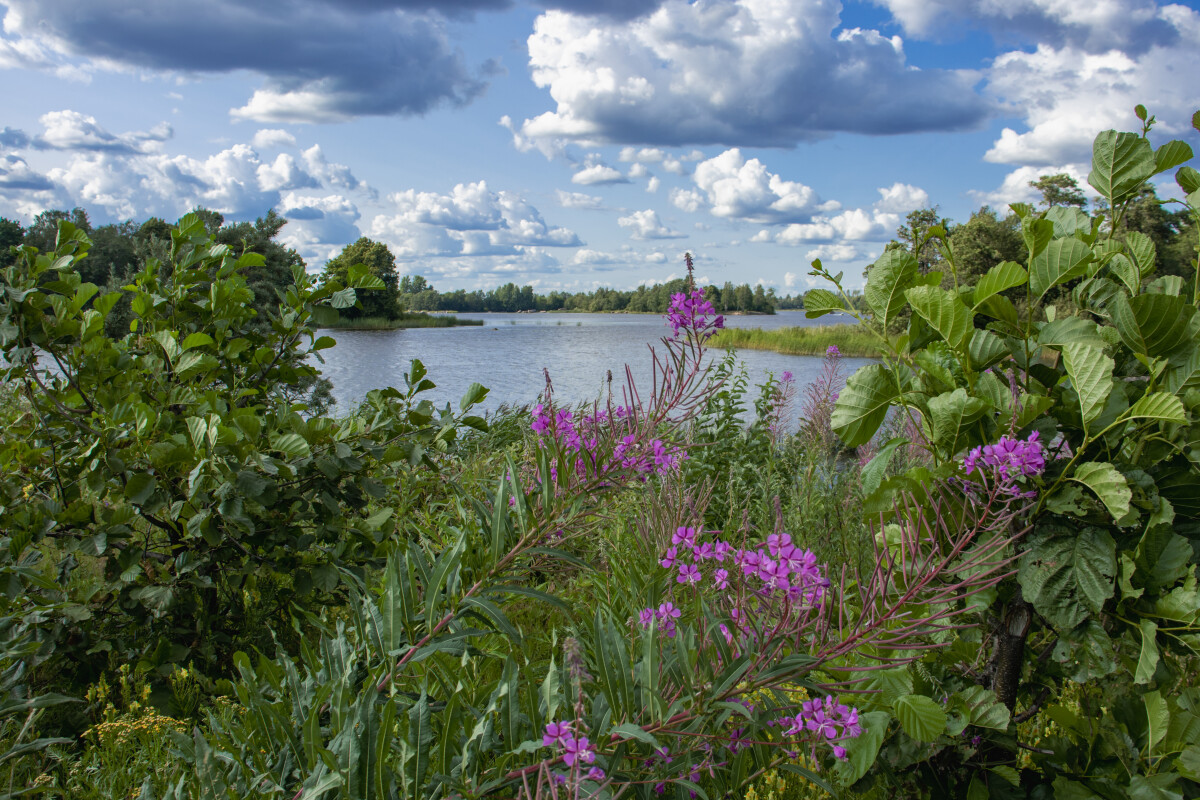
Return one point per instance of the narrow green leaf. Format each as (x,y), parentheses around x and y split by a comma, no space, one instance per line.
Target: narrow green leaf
(1148,657)
(1158,714)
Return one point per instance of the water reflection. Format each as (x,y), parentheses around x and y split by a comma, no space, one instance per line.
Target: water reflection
(510,351)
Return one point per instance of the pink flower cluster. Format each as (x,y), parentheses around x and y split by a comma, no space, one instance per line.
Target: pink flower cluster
(573,749)
(1010,458)
(583,439)
(829,719)
(689,311)
(779,570)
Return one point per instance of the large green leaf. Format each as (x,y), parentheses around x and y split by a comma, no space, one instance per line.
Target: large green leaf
(1144,252)
(1152,324)
(985,710)
(950,415)
(887,280)
(819,302)
(1185,375)
(1108,484)
(876,469)
(1188,179)
(1061,261)
(1122,267)
(1170,155)
(1091,375)
(862,750)
(920,717)
(863,404)
(985,349)
(1070,330)
(945,312)
(1068,219)
(1068,574)
(1161,406)
(1121,162)
(1005,275)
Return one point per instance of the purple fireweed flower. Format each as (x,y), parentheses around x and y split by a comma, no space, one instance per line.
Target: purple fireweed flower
(721,579)
(702,552)
(1010,458)
(668,559)
(787,376)
(595,774)
(689,311)
(831,721)
(721,550)
(577,749)
(646,616)
(833,352)
(668,611)
(688,573)
(777,542)
(684,536)
(556,733)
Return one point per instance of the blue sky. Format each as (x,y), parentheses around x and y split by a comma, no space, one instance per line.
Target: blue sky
(576,143)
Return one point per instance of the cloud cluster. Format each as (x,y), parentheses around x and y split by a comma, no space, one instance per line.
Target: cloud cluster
(1098,26)
(471,221)
(320,61)
(736,188)
(646,225)
(718,72)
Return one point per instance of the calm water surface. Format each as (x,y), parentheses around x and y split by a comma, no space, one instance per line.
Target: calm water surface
(510,351)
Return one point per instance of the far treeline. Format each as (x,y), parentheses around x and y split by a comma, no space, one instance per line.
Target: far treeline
(119,250)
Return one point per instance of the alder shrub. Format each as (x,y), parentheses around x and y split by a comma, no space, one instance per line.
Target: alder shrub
(1093,414)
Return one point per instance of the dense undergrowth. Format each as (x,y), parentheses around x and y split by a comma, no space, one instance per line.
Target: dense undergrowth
(969,570)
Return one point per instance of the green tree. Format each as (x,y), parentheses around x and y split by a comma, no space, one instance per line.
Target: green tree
(379,262)
(1059,189)
(984,241)
(11,235)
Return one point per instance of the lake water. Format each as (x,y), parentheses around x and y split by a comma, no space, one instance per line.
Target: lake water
(508,353)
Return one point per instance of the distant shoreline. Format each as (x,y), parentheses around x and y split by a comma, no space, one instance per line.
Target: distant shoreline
(850,340)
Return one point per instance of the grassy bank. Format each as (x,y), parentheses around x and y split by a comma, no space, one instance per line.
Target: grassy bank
(404,321)
(851,340)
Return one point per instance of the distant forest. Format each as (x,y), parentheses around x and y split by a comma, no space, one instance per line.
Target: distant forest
(119,249)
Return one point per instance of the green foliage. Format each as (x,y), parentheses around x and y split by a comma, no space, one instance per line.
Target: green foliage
(189,498)
(377,270)
(1104,591)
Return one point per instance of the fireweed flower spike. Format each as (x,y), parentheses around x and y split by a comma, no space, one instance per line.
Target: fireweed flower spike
(1010,458)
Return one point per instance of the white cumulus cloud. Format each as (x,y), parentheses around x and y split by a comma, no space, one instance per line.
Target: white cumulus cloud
(598,174)
(647,225)
(742,189)
(900,198)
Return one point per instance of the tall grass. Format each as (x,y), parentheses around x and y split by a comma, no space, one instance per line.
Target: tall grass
(851,340)
(404,321)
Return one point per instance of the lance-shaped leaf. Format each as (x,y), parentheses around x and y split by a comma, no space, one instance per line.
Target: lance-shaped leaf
(1061,261)
(945,312)
(1108,484)
(889,277)
(1091,375)
(1162,406)
(863,404)
(1005,275)
(1148,657)
(1067,574)
(819,302)
(950,415)
(1121,162)
(1152,324)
